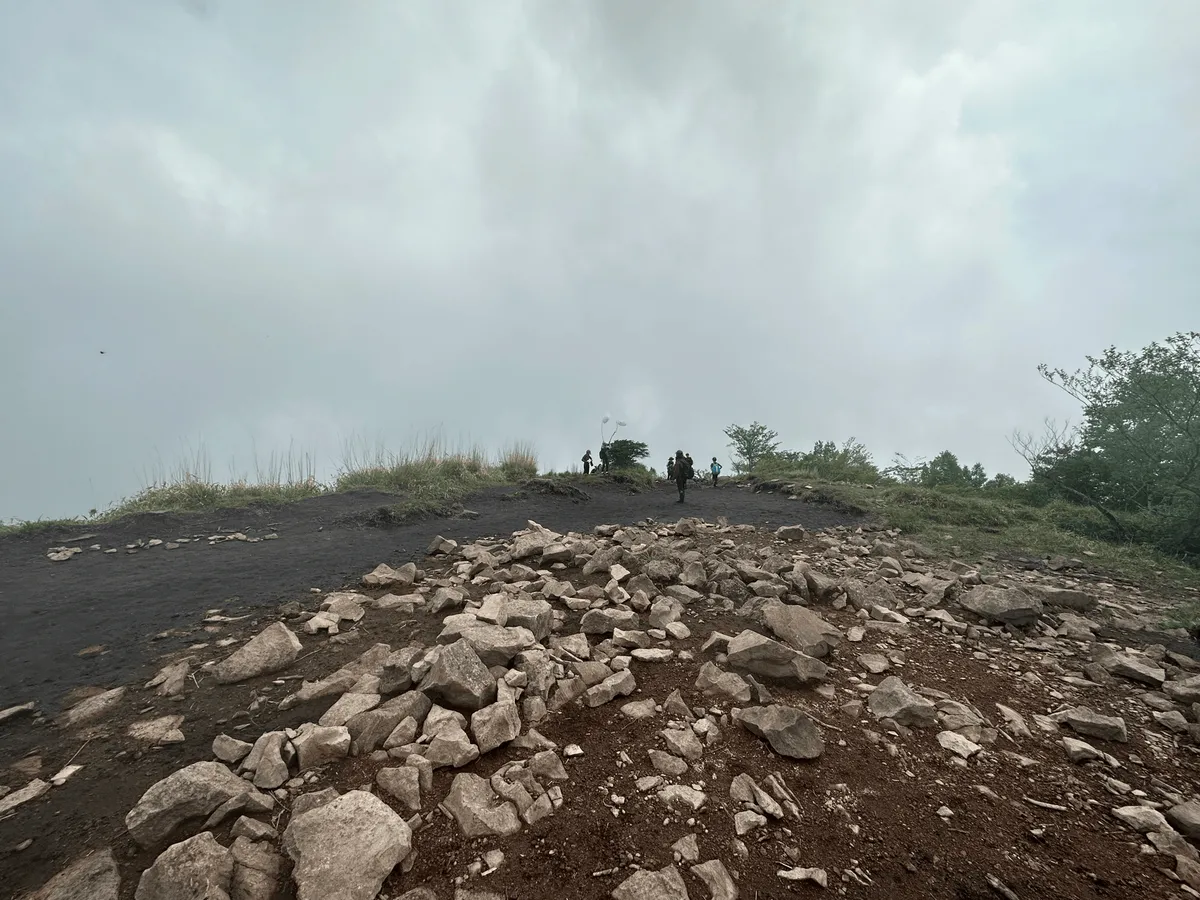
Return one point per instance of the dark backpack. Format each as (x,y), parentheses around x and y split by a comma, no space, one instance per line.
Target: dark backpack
(688,471)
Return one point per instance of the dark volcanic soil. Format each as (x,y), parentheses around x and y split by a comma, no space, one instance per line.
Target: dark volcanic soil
(111,606)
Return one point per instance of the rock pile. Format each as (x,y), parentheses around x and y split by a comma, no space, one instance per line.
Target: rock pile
(617,625)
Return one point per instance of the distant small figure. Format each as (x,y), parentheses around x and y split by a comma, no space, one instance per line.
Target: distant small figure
(691,467)
(715,468)
(683,471)
(587,462)
(670,468)
(604,457)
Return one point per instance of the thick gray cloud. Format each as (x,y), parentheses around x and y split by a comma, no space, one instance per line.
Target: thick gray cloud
(301,223)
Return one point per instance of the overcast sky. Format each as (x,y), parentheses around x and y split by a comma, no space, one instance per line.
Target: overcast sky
(302,222)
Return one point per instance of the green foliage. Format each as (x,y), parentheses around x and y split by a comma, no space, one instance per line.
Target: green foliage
(626,454)
(943,470)
(850,462)
(969,523)
(750,444)
(1136,455)
(827,461)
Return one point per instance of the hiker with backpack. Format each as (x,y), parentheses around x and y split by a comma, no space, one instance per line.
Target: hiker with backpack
(683,472)
(587,462)
(670,468)
(715,468)
(604,457)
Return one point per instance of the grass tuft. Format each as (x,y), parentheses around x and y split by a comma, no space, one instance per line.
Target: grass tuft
(430,476)
(972,524)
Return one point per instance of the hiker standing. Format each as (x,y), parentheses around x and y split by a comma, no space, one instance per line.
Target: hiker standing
(604,457)
(587,462)
(682,473)
(715,468)
(691,467)
(670,468)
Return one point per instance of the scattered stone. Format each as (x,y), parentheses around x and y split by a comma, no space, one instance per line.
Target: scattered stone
(92,708)
(1136,669)
(196,868)
(230,750)
(716,878)
(163,730)
(639,709)
(479,810)
(653,654)
(682,797)
(317,745)
(1141,819)
(451,747)
(169,682)
(267,762)
(747,821)
(874,663)
(458,678)
(1185,817)
(644,884)
(495,725)
(384,575)
(671,766)
(91,877)
(1092,724)
(403,783)
(31,791)
(190,793)
(790,532)
(271,650)
(895,700)
(1173,720)
(253,829)
(546,765)
(799,873)
(683,742)
(1080,751)
(789,731)
(752,652)
(712,682)
(603,621)
(497,645)
(686,848)
(256,871)
(346,847)
(1014,721)
(1005,606)
(957,744)
(306,803)
(802,629)
(347,707)
(344,606)
(65,774)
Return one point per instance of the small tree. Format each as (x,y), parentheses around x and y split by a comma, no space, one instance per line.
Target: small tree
(850,462)
(750,443)
(1000,481)
(907,471)
(625,454)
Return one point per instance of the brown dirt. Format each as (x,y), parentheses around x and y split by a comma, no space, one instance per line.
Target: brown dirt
(891,794)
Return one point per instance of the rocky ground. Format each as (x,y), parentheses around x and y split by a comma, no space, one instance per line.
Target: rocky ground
(641,711)
(130,590)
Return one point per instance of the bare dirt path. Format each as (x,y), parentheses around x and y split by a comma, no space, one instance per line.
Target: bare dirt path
(93,619)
